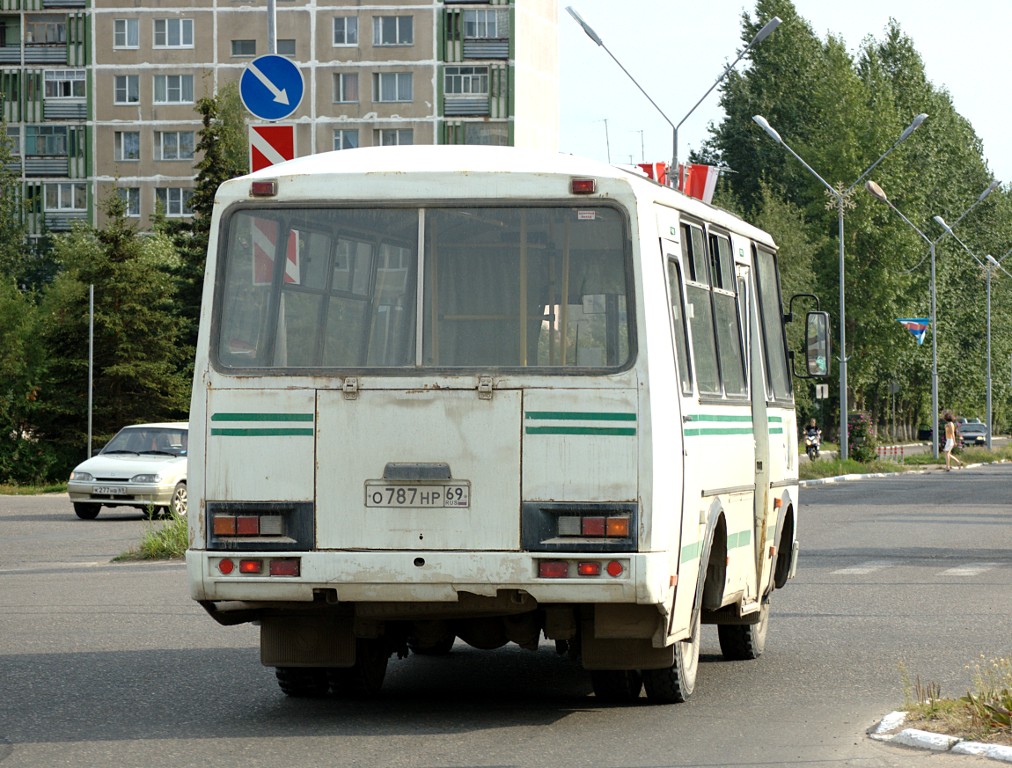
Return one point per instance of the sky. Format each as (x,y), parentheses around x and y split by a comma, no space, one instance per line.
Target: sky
(964,47)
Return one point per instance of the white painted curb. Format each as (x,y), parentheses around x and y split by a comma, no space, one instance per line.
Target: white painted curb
(936,742)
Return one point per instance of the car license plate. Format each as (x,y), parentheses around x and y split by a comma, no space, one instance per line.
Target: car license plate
(110,490)
(454,495)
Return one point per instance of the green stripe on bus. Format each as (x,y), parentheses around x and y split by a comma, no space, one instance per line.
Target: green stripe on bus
(696,431)
(740,539)
(263,432)
(691,552)
(611,431)
(578,416)
(719,417)
(261,417)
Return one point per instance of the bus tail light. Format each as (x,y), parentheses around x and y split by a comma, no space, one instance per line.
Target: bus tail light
(251,566)
(566,569)
(583,186)
(575,527)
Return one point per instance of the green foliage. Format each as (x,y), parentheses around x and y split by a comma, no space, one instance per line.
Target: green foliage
(137,358)
(162,541)
(840,112)
(861,435)
(224,155)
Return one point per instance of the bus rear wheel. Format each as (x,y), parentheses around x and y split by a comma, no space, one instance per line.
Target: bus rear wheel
(302,682)
(616,686)
(740,642)
(675,684)
(365,676)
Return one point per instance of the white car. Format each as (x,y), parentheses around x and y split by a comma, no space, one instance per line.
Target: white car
(143,466)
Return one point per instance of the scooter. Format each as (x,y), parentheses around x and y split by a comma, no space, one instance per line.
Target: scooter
(812,442)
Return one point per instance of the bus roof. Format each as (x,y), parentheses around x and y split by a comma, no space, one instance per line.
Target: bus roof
(467,160)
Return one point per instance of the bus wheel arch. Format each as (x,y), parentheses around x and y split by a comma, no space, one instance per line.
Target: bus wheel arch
(785,549)
(713,568)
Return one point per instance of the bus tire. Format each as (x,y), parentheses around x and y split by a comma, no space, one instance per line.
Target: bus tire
(675,684)
(742,642)
(302,682)
(365,677)
(616,686)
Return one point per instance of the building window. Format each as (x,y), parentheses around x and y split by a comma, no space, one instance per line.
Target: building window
(126,89)
(14,140)
(391,86)
(392,137)
(483,24)
(346,30)
(487,134)
(173,89)
(472,81)
(173,33)
(393,30)
(128,145)
(244,47)
(345,87)
(286,47)
(174,201)
(125,33)
(64,83)
(45,30)
(45,141)
(66,196)
(132,197)
(174,145)
(346,138)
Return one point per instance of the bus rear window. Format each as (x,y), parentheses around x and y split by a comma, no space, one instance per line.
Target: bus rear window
(328,288)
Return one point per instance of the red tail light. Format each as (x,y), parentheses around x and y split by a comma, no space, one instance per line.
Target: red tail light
(553,569)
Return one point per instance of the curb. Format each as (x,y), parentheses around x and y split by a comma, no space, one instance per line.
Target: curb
(888,731)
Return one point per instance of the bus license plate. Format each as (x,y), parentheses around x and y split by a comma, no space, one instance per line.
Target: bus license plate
(109,490)
(424,495)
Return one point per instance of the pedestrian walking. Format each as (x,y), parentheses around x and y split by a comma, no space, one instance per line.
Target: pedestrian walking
(950,441)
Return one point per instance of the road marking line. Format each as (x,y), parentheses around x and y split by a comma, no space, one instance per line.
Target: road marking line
(863,568)
(973,569)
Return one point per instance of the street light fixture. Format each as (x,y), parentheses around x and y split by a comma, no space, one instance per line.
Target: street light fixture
(761,35)
(763,123)
(877,191)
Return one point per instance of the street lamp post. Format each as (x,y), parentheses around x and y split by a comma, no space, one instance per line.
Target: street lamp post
(763,123)
(878,193)
(761,35)
(991,262)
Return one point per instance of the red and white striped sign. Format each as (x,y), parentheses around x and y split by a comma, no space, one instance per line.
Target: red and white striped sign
(270,144)
(265,236)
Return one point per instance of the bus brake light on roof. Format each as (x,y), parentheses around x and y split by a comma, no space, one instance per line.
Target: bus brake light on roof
(583,186)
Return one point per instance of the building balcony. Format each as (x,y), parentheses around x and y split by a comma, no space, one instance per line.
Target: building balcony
(487,48)
(46,165)
(55,53)
(63,221)
(459,106)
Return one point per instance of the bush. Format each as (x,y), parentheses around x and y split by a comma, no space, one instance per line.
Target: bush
(861,437)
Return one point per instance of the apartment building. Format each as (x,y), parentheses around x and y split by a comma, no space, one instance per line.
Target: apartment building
(99,95)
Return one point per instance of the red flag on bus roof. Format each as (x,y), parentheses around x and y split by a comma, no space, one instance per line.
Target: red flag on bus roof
(698,181)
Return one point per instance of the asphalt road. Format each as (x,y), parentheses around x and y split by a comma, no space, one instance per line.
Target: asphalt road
(111,664)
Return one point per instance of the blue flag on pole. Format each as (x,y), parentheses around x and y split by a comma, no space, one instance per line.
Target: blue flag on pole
(916,325)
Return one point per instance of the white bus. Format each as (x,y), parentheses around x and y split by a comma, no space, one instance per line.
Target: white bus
(490,395)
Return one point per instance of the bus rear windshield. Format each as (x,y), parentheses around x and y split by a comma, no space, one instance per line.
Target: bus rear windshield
(349,288)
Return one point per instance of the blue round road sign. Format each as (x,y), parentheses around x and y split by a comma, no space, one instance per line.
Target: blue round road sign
(271,87)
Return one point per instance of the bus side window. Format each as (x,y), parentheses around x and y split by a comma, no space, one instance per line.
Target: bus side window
(772,324)
(725,309)
(680,335)
(704,343)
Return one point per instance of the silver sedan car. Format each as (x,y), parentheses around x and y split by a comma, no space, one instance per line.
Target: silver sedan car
(143,466)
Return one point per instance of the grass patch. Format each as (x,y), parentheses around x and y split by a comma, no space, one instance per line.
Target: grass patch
(826,467)
(163,540)
(983,714)
(32,490)
(813,470)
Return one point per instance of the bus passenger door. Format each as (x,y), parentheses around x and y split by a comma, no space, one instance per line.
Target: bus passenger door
(763,513)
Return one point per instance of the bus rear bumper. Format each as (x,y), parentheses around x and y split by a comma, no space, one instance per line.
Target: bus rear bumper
(432,577)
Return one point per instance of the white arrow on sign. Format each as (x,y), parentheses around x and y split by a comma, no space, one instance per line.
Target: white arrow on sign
(280,96)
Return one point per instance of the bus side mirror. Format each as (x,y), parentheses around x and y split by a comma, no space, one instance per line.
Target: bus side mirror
(817,344)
